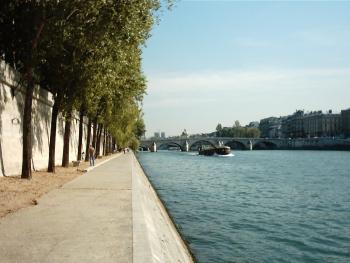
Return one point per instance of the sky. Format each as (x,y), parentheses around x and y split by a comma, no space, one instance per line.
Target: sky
(210,62)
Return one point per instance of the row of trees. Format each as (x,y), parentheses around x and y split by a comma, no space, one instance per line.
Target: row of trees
(87,53)
(237,131)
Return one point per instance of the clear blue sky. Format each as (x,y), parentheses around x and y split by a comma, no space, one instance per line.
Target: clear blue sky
(211,62)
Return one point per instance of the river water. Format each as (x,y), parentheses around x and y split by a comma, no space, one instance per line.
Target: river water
(257,206)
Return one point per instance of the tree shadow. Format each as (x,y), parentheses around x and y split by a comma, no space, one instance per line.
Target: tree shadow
(9,81)
(13,91)
(60,124)
(3,100)
(12,98)
(41,118)
(74,133)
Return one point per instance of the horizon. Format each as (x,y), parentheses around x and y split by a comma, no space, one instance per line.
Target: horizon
(218,62)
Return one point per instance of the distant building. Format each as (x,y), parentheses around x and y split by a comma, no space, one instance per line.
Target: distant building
(162,135)
(184,134)
(156,135)
(318,124)
(270,127)
(292,125)
(253,124)
(312,124)
(345,119)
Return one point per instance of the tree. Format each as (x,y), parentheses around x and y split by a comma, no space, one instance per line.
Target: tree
(134,143)
(21,31)
(253,133)
(237,131)
(88,54)
(88,140)
(80,136)
(139,129)
(219,127)
(88,49)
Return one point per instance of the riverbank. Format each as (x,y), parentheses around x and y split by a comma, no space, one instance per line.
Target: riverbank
(192,144)
(110,214)
(156,238)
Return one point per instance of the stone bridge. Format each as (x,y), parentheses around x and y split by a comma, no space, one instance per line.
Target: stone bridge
(192,144)
(187,144)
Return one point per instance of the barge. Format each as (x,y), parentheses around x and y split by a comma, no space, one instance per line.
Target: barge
(222,150)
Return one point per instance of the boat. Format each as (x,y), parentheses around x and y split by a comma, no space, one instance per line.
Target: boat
(221,150)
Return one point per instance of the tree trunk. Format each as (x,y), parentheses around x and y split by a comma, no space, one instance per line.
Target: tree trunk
(113,144)
(67,128)
(94,133)
(52,147)
(98,143)
(80,144)
(27,114)
(27,132)
(104,142)
(88,141)
(108,144)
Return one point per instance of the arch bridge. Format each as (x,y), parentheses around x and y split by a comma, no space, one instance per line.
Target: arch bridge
(192,144)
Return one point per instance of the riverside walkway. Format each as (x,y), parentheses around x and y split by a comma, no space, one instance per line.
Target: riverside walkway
(93,219)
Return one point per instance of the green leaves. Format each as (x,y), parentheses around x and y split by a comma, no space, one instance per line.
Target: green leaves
(88,54)
(237,131)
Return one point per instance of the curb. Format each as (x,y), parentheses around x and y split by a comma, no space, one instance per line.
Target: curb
(98,164)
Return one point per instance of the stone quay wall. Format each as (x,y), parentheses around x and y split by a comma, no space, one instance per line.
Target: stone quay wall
(11,116)
(155,237)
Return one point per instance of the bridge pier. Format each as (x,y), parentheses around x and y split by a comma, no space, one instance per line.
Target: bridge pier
(186,148)
(250,145)
(153,147)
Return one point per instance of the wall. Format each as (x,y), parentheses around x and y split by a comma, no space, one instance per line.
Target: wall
(155,237)
(11,115)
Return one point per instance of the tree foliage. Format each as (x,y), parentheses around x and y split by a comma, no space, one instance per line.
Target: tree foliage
(88,54)
(237,131)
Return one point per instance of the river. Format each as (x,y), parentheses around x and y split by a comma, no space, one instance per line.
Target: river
(257,206)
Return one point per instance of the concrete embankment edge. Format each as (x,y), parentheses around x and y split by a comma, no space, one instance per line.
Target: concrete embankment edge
(155,236)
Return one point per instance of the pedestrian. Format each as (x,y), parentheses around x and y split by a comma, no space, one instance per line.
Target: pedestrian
(124,150)
(92,155)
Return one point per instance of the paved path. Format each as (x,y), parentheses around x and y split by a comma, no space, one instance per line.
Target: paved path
(87,220)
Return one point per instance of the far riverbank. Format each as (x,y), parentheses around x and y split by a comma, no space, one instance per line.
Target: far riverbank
(193,143)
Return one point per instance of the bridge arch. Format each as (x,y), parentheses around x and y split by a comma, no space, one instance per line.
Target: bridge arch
(144,147)
(200,143)
(236,145)
(264,145)
(170,143)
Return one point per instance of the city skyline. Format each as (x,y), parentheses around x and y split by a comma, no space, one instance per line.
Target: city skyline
(212,63)
(258,123)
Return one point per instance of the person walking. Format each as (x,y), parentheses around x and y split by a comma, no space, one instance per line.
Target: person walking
(92,155)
